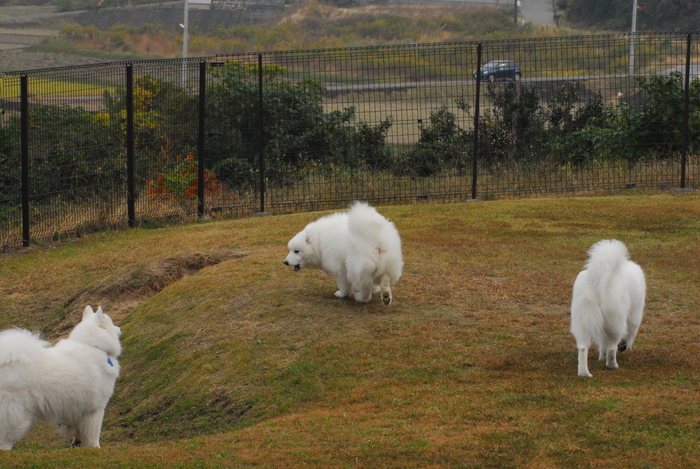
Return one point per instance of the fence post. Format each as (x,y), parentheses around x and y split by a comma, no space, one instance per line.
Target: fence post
(131,196)
(686,105)
(24,136)
(261,134)
(200,141)
(475,156)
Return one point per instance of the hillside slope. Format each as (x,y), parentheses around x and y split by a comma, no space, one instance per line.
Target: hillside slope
(231,359)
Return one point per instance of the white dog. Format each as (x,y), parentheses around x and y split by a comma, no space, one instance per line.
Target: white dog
(68,384)
(607,304)
(360,248)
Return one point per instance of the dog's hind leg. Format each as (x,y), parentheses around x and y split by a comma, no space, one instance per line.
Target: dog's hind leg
(89,430)
(15,423)
(631,334)
(583,362)
(9,435)
(364,294)
(385,285)
(363,285)
(610,360)
(344,287)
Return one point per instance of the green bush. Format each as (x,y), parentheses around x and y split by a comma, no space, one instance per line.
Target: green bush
(163,118)
(370,144)
(515,131)
(568,144)
(65,161)
(442,145)
(422,161)
(297,133)
(632,134)
(9,160)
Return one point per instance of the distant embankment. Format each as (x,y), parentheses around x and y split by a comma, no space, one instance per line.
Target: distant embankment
(171,17)
(18,38)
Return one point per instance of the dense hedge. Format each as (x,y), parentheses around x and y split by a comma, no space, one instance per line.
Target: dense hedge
(76,153)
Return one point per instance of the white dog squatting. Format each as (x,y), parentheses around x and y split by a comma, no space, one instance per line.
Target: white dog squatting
(68,384)
(607,304)
(360,248)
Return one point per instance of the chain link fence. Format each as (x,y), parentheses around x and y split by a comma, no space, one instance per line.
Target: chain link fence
(89,147)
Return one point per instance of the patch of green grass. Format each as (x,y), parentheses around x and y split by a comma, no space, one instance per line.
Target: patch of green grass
(248,364)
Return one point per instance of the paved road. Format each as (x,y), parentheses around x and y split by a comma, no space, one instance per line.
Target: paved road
(537,11)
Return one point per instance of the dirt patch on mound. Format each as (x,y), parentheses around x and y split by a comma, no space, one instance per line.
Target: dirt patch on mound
(120,295)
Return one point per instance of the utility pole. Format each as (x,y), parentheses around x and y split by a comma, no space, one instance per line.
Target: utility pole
(633,36)
(185,35)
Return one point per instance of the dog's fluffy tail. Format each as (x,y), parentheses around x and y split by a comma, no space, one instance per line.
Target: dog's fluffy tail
(606,258)
(380,237)
(20,345)
(365,222)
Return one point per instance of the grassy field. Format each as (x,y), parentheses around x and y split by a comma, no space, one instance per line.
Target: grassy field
(232,360)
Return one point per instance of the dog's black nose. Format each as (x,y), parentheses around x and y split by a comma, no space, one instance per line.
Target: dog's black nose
(285,263)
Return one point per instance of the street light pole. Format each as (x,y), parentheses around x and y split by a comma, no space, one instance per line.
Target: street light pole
(185,35)
(633,36)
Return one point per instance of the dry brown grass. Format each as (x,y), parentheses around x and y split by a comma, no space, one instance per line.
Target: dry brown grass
(246,364)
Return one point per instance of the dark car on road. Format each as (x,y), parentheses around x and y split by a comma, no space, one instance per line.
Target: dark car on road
(498,70)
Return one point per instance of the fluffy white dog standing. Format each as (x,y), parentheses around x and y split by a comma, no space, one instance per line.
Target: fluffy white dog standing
(360,248)
(68,384)
(607,304)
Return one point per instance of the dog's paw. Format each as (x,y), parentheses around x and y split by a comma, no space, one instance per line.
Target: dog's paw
(386,298)
(622,346)
(585,375)
(363,297)
(76,443)
(339,294)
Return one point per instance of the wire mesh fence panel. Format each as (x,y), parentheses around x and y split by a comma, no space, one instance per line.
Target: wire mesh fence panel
(165,126)
(75,160)
(10,162)
(233,136)
(359,115)
(581,115)
(303,130)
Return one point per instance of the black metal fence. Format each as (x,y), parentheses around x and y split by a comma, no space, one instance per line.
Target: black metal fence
(86,147)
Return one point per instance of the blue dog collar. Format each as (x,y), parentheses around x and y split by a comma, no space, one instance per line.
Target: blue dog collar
(109,360)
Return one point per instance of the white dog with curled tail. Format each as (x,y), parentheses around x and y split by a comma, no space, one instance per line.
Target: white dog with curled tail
(607,304)
(360,248)
(68,384)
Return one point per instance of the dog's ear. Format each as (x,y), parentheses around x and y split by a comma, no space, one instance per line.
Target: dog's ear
(88,312)
(100,313)
(309,233)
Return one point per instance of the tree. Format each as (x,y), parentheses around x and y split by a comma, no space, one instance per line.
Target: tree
(514,131)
